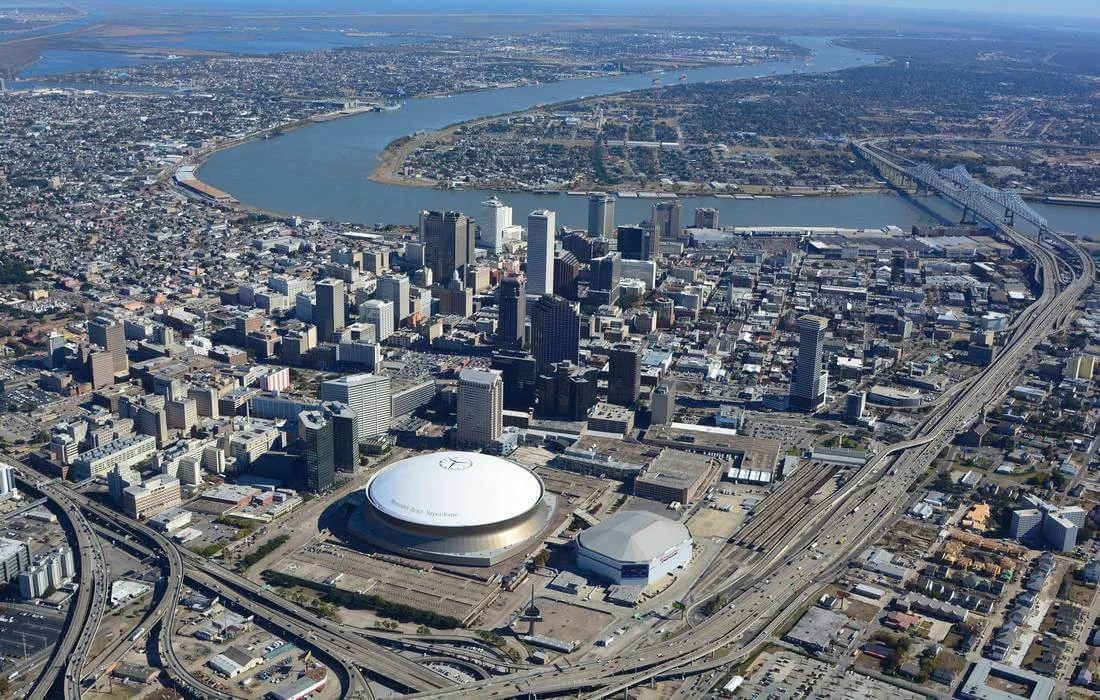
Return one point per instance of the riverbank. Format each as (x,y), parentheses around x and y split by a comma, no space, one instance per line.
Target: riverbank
(393,160)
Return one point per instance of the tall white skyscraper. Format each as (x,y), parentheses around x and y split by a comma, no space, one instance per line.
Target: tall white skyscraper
(495,217)
(480,407)
(541,224)
(395,288)
(380,313)
(368,395)
(810,381)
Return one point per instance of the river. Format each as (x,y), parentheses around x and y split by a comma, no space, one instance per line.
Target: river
(321,171)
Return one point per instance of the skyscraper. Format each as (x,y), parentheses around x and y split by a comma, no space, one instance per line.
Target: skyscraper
(601,214)
(448,238)
(480,407)
(706,217)
(555,332)
(55,350)
(625,370)
(368,395)
(495,217)
(511,311)
(638,242)
(329,315)
(315,432)
(540,252)
(854,406)
(579,244)
(395,288)
(666,221)
(517,370)
(604,274)
(567,391)
(662,406)
(454,298)
(110,335)
(810,381)
(345,435)
(567,270)
(380,313)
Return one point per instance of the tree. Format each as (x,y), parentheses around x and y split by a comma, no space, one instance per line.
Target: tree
(679,605)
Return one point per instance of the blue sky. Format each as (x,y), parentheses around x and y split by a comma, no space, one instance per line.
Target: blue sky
(1065,8)
(1057,8)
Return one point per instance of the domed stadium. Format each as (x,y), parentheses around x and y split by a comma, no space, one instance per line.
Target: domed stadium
(461,508)
(633,547)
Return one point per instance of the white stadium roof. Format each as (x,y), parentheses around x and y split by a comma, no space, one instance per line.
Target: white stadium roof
(633,536)
(454,489)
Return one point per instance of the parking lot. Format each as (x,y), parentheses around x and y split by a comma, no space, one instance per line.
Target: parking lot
(425,587)
(23,632)
(784,674)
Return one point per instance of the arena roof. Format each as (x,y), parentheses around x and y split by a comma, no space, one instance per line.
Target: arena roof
(454,489)
(633,536)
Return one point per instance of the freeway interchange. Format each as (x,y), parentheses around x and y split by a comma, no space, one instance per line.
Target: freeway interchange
(759,590)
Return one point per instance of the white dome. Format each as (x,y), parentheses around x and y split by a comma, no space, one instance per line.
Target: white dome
(454,489)
(633,536)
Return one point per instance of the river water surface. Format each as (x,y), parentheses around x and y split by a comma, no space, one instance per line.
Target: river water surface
(321,170)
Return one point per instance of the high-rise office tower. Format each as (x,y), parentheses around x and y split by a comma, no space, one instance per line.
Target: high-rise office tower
(638,242)
(329,314)
(368,395)
(555,332)
(511,311)
(567,270)
(150,420)
(181,413)
(454,298)
(567,391)
(540,252)
(518,372)
(579,244)
(601,214)
(810,381)
(345,435)
(854,406)
(625,374)
(380,313)
(110,335)
(480,407)
(448,238)
(414,254)
(315,432)
(706,217)
(55,350)
(395,288)
(666,221)
(662,405)
(604,274)
(495,217)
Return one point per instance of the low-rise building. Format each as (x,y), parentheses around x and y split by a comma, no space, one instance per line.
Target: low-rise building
(817,630)
(675,476)
(154,496)
(124,452)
